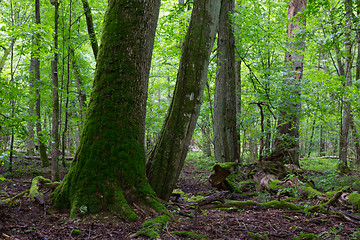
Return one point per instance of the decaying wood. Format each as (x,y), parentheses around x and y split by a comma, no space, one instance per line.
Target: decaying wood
(217,178)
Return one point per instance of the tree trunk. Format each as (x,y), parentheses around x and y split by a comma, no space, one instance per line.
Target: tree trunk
(226,138)
(55,97)
(289,118)
(108,171)
(238,90)
(311,138)
(343,141)
(168,156)
(90,27)
(79,86)
(39,134)
(30,146)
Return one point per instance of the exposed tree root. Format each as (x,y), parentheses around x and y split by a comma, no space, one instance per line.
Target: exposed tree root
(36,184)
(152,227)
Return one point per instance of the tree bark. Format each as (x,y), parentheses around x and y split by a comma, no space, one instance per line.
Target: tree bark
(168,156)
(90,27)
(55,98)
(39,134)
(226,138)
(289,117)
(343,141)
(108,171)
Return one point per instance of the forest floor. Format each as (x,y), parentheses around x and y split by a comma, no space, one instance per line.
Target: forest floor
(24,219)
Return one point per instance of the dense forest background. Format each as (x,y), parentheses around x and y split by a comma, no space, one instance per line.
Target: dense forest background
(261,44)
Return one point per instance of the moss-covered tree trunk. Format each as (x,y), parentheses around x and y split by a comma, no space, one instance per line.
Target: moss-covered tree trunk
(168,156)
(108,171)
(226,138)
(289,117)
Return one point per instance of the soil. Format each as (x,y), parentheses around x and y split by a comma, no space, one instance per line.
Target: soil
(24,219)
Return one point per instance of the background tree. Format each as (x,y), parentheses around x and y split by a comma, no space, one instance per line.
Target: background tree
(289,119)
(167,158)
(226,139)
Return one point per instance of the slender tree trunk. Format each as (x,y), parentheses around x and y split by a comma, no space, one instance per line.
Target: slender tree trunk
(226,138)
(168,156)
(90,27)
(311,138)
(39,133)
(30,139)
(79,86)
(289,119)
(55,176)
(12,101)
(322,141)
(67,90)
(343,142)
(108,171)
(238,91)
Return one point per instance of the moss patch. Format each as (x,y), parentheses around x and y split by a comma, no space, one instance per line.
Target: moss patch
(151,227)
(354,199)
(282,205)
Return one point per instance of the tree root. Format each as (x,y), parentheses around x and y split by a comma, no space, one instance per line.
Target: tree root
(34,194)
(151,227)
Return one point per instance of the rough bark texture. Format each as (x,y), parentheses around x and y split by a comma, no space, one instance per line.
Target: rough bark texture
(289,118)
(41,141)
(226,138)
(108,172)
(168,156)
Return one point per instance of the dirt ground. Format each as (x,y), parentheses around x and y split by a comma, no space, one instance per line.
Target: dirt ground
(24,219)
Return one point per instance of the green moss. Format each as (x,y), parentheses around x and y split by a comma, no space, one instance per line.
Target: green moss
(311,192)
(274,185)
(239,204)
(151,227)
(307,236)
(354,199)
(197,198)
(227,165)
(35,185)
(330,194)
(76,232)
(282,205)
(191,235)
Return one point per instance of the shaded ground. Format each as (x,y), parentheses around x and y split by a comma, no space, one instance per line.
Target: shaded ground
(30,220)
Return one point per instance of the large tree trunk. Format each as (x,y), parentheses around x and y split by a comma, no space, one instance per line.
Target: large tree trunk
(168,156)
(108,171)
(226,138)
(41,141)
(289,119)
